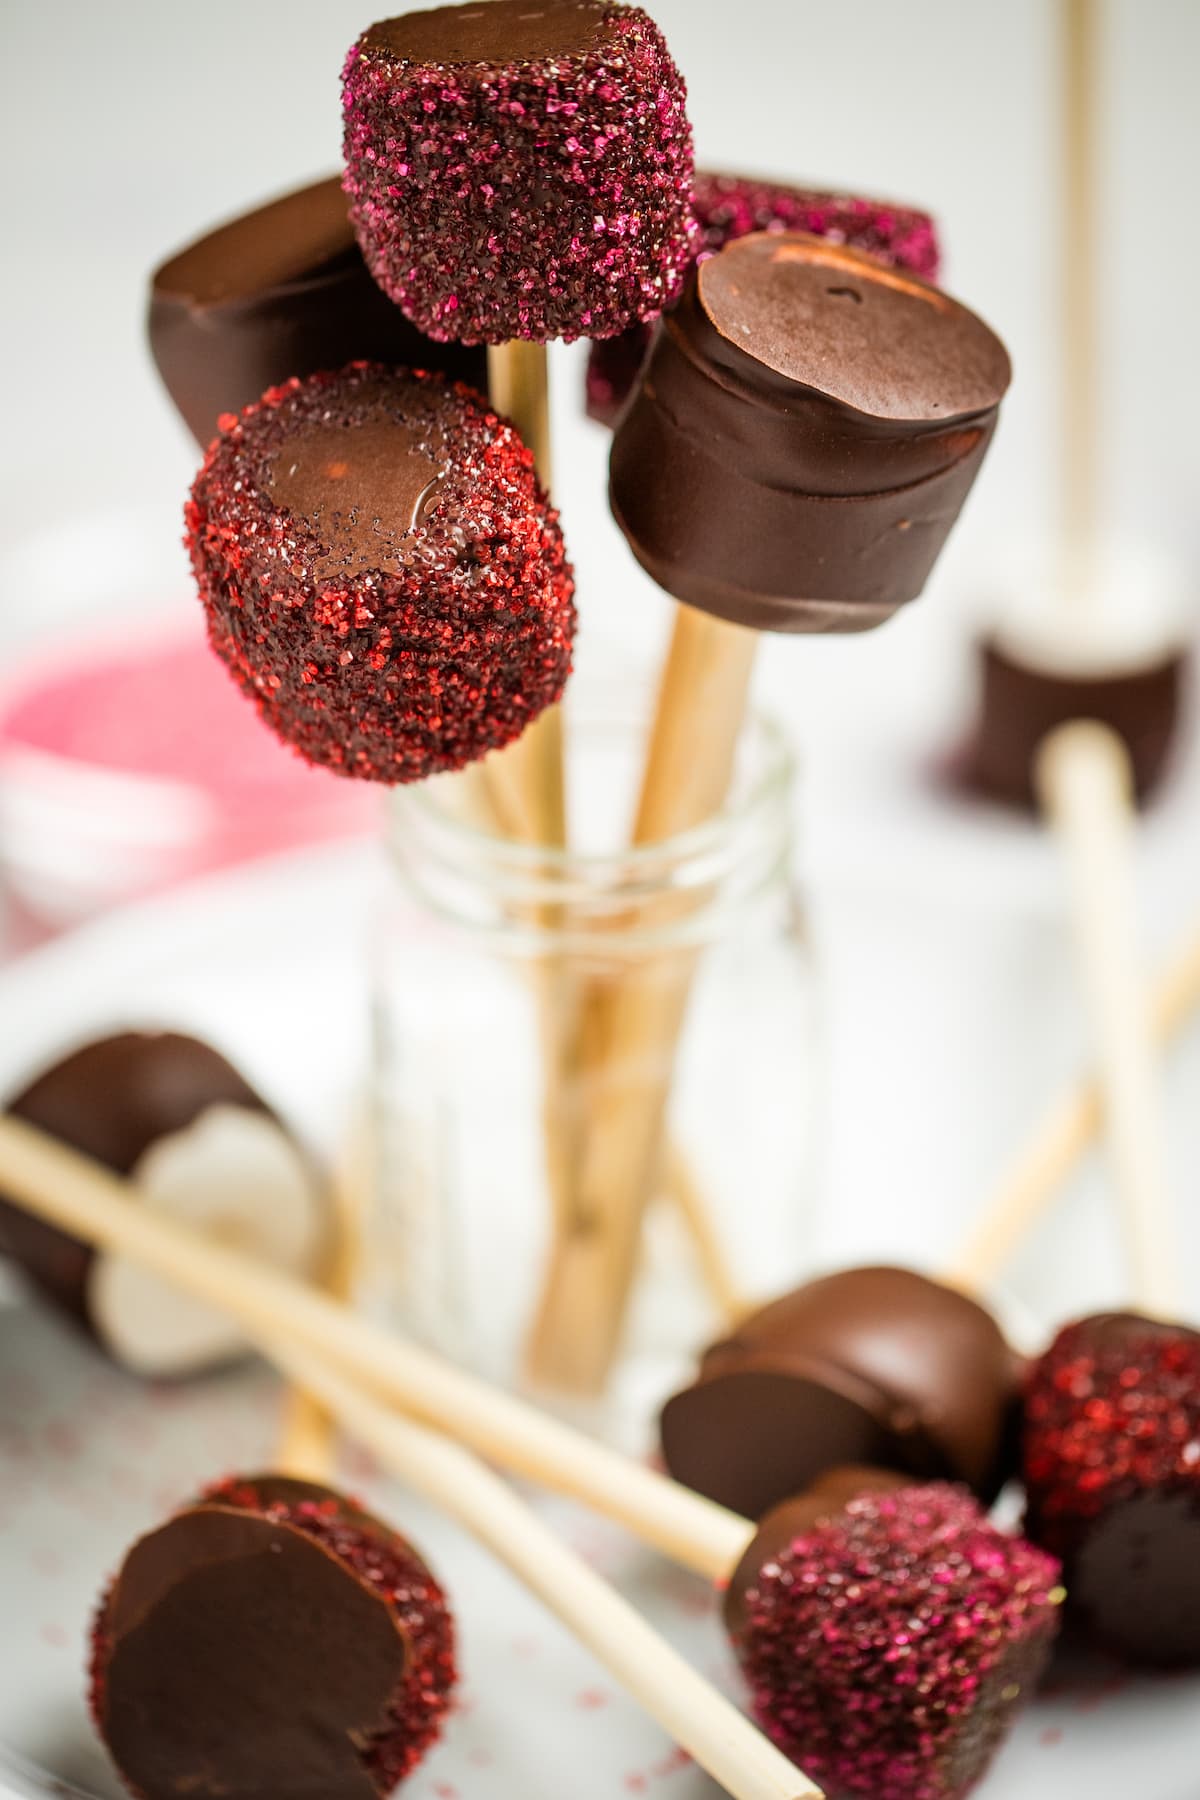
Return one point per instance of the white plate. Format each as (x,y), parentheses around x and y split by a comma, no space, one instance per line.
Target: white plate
(271,964)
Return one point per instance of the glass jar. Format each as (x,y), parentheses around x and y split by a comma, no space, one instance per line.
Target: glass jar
(593,1075)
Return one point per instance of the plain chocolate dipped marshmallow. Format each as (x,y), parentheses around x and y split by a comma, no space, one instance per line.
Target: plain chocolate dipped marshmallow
(196,1141)
(876,1366)
(280,291)
(807,428)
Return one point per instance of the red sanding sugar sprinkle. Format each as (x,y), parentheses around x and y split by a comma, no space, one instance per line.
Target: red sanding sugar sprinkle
(889,1647)
(449,646)
(546,197)
(1112,1411)
(389,1565)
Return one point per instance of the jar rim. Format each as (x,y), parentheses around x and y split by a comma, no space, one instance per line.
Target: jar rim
(767,790)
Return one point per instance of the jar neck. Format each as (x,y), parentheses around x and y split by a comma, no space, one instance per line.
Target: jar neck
(449,851)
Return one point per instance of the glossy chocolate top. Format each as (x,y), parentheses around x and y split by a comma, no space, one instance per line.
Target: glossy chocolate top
(872,1365)
(245,1658)
(500,32)
(807,427)
(281,291)
(363,491)
(872,339)
(296,238)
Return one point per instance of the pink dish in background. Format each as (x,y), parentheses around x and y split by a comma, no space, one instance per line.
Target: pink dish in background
(129,763)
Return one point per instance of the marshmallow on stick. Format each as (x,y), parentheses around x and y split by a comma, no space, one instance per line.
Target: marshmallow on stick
(271,1638)
(871,1365)
(382,573)
(280,291)
(806,431)
(735,206)
(931,1738)
(1111,1463)
(194,1140)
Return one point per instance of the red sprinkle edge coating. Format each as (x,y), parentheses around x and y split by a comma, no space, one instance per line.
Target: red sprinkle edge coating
(532,200)
(1111,1459)
(889,1647)
(1112,1411)
(385,674)
(386,1563)
(733,206)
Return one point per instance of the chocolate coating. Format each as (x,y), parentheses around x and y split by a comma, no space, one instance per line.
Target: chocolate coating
(807,428)
(1021,705)
(280,291)
(875,1366)
(498,32)
(728,207)
(271,1639)
(111,1100)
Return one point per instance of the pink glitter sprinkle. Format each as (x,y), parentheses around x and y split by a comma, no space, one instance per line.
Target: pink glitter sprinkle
(733,206)
(543,197)
(889,1647)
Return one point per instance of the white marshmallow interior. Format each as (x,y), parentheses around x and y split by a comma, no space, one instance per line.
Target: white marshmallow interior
(1120,611)
(235,1175)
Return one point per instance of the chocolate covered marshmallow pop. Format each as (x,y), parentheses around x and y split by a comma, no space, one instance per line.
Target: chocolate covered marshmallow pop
(520,172)
(279,291)
(381,572)
(271,1638)
(807,428)
(726,207)
(196,1141)
(906,1594)
(869,1365)
(1111,1462)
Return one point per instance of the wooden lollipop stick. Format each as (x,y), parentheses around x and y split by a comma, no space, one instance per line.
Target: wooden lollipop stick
(725,1291)
(707,1725)
(495,802)
(1081,435)
(306,1441)
(87,1201)
(1086,787)
(518,386)
(689,766)
(1069,1127)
